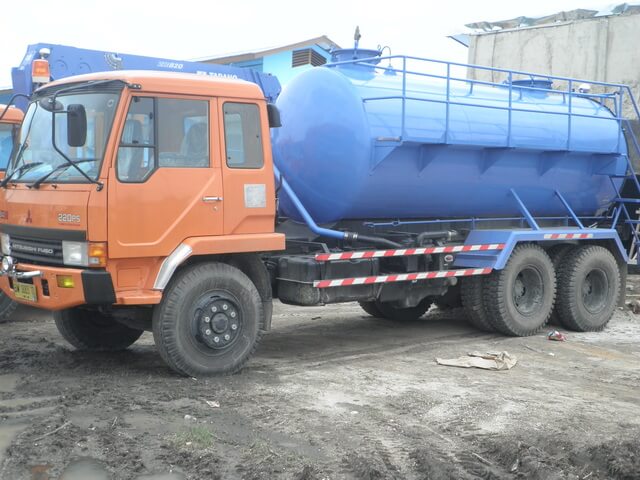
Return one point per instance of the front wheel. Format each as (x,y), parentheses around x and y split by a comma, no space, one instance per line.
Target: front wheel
(94,331)
(588,289)
(209,320)
(7,307)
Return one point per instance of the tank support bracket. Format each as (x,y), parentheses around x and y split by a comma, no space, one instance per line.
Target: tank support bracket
(569,210)
(490,155)
(525,212)
(428,153)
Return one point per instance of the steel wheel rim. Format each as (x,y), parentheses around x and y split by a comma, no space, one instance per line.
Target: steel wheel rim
(528,291)
(595,290)
(216,323)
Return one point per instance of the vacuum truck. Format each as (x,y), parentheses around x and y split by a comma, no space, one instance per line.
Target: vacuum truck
(184,205)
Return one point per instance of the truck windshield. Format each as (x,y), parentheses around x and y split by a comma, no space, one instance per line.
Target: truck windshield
(7,135)
(35,146)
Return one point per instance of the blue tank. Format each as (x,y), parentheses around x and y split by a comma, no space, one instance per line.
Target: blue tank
(349,152)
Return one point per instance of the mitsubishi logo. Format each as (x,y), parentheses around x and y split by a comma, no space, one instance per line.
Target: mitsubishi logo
(28,219)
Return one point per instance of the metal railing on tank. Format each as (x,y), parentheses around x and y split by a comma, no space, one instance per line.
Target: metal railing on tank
(615,97)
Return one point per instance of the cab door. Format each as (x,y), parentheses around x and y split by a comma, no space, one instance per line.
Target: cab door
(166,182)
(249,202)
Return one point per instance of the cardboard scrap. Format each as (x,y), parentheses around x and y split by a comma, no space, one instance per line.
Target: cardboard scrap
(486,361)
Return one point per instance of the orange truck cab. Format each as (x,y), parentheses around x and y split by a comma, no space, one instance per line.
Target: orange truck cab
(141,200)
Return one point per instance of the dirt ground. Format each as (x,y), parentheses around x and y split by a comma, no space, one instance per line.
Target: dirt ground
(331,394)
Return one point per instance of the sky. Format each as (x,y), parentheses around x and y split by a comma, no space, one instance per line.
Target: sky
(192,29)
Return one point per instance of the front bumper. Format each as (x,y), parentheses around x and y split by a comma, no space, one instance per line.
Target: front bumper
(90,287)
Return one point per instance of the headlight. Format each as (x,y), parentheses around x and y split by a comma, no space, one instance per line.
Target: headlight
(75,253)
(5,244)
(83,254)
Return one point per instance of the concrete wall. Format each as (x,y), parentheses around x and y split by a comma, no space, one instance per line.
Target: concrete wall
(602,49)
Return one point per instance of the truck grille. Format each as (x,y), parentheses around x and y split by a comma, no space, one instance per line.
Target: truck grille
(38,251)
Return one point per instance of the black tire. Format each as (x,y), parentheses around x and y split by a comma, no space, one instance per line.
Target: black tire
(410,314)
(371,309)
(557,253)
(519,298)
(192,329)
(94,331)
(473,303)
(588,288)
(451,299)
(7,307)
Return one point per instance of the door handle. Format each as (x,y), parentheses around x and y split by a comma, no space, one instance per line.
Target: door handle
(211,199)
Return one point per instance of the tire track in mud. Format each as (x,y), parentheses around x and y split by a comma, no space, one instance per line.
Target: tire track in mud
(293,365)
(417,451)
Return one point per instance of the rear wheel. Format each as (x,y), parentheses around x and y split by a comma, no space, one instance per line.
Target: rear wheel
(473,303)
(588,288)
(7,307)
(451,299)
(557,253)
(371,309)
(209,320)
(94,331)
(389,311)
(519,298)
(407,314)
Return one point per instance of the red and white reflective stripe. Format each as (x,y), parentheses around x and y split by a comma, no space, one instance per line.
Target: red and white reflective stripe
(400,277)
(567,236)
(328,257)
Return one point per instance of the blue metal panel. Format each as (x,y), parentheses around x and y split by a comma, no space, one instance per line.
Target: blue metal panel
(498,259)
(67,61)
(364,141)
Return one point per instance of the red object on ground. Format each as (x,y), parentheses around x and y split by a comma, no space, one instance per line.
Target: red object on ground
(556,336)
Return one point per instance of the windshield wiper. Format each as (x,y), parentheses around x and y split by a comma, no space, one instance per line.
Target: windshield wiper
(60,168)
(22,169)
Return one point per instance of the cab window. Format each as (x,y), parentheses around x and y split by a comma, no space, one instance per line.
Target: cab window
(242,135)
(7,134)
(163,133)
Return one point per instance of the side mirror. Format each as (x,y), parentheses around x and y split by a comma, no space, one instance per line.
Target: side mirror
(76,125)
(274,116)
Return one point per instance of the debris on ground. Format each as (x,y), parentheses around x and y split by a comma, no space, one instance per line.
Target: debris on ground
(486,361)
(634,306)
(213,403)
(556,336)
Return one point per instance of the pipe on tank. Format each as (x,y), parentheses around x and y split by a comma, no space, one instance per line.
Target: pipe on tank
(313,226)
(325,232)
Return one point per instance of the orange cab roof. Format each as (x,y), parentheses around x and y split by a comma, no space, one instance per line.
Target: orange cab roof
(170,82)
(13,115)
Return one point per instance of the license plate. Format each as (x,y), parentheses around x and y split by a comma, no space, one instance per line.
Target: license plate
(25,291)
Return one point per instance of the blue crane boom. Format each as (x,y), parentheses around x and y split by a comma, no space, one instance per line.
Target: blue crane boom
(67,61)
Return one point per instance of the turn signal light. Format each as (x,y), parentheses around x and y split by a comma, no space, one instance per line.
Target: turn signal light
(40,72)
(65,281)
(97,254)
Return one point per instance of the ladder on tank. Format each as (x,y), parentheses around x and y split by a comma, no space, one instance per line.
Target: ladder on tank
(630,178)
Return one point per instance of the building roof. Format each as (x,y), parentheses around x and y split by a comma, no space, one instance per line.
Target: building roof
(322,41)
(631,8)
